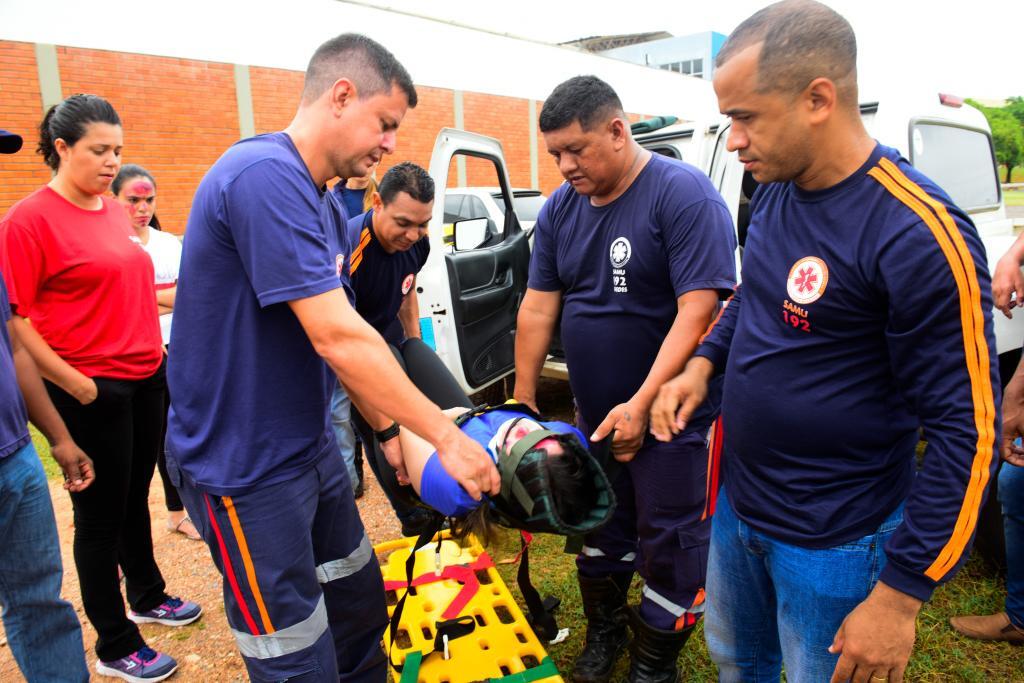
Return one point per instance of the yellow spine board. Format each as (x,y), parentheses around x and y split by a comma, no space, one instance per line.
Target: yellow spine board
(502,643)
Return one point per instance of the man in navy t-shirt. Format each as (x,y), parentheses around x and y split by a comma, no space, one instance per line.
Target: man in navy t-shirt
(260,307)
(389,247)
(388,250)
(864,316)
(635,250)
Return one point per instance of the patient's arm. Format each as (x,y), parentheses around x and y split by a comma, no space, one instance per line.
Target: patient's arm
(416,451)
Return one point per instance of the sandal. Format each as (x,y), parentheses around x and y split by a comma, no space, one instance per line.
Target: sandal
(189,532)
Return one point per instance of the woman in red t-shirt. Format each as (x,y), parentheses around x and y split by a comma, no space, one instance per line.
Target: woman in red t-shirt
(76,270)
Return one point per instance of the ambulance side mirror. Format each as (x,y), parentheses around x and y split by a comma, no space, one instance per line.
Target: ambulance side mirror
(470,234)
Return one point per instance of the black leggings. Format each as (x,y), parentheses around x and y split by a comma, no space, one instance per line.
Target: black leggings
(430,376)
(171,498)
(120,431)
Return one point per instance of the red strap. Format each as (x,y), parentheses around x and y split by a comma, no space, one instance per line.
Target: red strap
(463,573)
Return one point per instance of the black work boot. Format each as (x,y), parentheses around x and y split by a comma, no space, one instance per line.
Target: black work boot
(654,652)
(604,605)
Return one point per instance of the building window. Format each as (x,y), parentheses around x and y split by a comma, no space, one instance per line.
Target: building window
(690,67)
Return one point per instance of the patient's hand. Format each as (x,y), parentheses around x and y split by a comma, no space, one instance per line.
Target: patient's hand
(392,450)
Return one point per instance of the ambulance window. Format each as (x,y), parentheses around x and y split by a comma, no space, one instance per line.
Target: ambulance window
(959,160)
(452,207)
(473,208)
(469,174)
(667,151)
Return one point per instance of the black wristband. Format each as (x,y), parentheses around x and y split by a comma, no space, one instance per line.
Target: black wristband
(387,434)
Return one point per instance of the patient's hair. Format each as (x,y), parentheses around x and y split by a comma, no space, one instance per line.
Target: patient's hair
(571,487)
(572,490)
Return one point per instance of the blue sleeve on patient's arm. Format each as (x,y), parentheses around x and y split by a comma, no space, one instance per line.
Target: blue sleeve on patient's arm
(441,492)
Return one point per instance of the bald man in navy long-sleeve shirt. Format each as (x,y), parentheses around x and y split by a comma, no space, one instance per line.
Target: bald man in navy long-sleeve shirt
(864,316)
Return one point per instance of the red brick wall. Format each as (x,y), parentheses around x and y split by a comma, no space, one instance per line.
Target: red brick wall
(275,97)
(179,116)
(507,119)
(435,110)
(21,110)
(547,170)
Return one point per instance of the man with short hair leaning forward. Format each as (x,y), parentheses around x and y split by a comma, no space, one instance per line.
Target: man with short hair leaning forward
(260,307)
(633,252)
(864,315)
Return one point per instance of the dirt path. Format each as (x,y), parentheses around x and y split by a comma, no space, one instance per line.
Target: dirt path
(205,650)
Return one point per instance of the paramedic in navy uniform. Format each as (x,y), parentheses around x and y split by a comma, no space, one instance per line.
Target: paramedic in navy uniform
(249,444)
(636,250)
(865,315)
(389,247)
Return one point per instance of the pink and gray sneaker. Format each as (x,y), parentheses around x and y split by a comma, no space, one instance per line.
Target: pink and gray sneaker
(173,612)
(143,666)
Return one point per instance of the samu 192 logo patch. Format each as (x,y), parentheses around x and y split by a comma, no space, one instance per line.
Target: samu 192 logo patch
(407,283)
(620,252)
(339,261)
(807,280)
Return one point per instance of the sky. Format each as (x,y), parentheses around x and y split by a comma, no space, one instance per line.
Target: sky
(971,49)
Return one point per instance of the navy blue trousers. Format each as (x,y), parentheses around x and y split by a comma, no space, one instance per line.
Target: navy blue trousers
(661,528)
(302,588)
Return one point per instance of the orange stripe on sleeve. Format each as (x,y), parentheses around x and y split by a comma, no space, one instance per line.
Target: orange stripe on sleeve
(357,253)
(976,352)
(250,570)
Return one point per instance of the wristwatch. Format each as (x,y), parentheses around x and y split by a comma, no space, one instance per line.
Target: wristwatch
(387,433)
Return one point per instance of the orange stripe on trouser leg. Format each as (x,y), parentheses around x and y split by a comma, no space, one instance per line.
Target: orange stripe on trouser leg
(688,619)
(229,572)
(250,570)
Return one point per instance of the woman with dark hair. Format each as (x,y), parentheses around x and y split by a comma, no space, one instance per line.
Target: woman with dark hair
(74,267)
(135,188)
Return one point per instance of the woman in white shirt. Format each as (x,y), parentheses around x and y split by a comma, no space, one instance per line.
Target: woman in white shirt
(135,188)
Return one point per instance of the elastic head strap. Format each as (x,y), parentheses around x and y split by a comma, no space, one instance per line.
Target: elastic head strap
(508,464)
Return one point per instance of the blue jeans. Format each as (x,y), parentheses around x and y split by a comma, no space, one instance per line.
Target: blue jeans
(341,422)
(43,630)
(1011,497)
(769,601)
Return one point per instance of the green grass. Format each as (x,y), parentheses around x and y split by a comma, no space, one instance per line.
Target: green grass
(1013,197)
(1016,175)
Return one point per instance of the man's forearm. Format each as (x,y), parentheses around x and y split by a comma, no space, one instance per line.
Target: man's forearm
(533,339)
(165,297)
(376,419)
(365,365)
(40,409)
(692,319)
(409,314)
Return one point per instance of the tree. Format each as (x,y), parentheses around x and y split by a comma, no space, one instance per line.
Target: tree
(1008,137)
(1007,124)
(1015,105)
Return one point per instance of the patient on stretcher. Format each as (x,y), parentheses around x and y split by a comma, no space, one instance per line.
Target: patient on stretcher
(550,482)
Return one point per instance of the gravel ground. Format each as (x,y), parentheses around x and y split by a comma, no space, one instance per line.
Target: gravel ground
(206,650)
